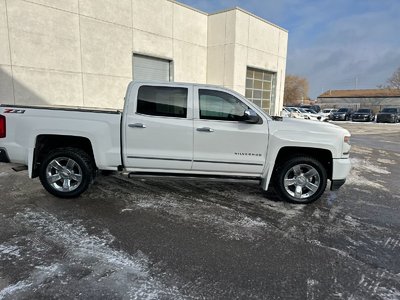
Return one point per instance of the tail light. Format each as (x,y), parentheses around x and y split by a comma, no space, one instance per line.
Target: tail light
(2,126)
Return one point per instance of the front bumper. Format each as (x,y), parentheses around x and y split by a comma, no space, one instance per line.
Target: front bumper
(4,156)
(385,119)
(340,170)
(338,118)
(336,184)
(361,118)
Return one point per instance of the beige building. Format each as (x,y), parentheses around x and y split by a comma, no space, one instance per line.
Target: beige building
(85,52)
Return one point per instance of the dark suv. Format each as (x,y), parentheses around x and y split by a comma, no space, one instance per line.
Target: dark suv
(363,114)
(343,114)
(388,115)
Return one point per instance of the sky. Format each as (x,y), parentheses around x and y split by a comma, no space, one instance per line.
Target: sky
(335,44)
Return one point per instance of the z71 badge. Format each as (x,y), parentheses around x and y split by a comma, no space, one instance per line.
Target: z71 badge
(13,111)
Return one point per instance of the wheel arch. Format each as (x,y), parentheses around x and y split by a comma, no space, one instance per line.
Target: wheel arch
(46,142)
(324,156)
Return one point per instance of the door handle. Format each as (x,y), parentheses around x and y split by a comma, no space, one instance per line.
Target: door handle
(205,129)
(137,125)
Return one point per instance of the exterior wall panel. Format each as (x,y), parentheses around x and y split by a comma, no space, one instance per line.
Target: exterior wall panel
(79,52)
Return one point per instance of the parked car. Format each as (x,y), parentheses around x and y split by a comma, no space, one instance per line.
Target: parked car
(331,113)
(291,113)
(179,129)
(310,114)
(388,115)
(326,113)
(363,114)
(343,114)
(315,108)
(295,112)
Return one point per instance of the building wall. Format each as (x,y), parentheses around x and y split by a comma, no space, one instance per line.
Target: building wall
(360,102)
(374,103)
(237,40)
(79,52)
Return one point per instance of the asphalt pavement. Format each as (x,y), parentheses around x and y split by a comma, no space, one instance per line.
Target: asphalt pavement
(166,239)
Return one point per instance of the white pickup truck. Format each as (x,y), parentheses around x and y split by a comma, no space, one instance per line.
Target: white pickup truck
(175,129)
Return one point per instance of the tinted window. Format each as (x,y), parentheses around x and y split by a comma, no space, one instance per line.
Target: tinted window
(325,111)
(216,105)
(162,101)
(364,110)
(343,110)
(390,110)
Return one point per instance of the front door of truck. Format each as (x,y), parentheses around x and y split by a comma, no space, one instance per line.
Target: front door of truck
(159,128)
(223,142)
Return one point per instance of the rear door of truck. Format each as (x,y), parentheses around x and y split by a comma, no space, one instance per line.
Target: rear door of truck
(158,127)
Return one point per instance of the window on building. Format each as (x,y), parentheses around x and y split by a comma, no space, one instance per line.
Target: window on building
(162,101)
(149,68)
(217,105)
(260,88)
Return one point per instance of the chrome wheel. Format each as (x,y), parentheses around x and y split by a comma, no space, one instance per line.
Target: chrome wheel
(302,181)
(64,174)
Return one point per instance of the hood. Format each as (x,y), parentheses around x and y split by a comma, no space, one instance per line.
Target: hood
(306,133)
(309,126)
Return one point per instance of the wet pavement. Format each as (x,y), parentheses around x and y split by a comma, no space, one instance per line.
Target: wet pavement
(165,239)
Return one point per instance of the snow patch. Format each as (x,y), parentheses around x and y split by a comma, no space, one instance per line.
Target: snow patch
(129,275)
(360,167)
(366,165)
(361,150)
(228,222)
(13,289)
(9,250)
(386,161)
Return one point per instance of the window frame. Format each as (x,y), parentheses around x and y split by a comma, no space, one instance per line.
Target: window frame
(196,106)
(189,111)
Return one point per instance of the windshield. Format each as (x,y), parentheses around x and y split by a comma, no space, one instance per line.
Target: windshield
(364,110)
(302,110)
(389,110)
(343,110)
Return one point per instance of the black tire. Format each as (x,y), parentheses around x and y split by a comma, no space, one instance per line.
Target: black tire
(78,176)
(286,170)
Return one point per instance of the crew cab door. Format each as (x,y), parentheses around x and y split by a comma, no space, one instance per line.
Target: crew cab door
(158,128)
(223,142)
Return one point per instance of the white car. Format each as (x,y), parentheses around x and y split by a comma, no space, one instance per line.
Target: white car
(180,129)
(311,114)
(290,112)
(326,112)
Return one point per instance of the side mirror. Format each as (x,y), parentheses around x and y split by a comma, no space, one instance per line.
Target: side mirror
(250,116)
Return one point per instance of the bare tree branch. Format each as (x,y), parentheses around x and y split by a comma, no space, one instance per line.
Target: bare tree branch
(296,89)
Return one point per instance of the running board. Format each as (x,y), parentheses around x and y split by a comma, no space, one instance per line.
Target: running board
(204,177)
(20,168)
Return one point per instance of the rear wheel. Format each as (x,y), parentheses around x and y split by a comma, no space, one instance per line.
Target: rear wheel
(66,172)
(301,180)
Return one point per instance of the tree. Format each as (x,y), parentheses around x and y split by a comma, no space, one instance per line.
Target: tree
(296,89)
(393,82)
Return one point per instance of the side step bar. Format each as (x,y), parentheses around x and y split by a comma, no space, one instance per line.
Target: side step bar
(20,168)
(204,177)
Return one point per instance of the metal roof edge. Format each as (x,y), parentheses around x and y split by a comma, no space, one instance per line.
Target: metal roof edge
(250,14)
(188,7)
(226,10)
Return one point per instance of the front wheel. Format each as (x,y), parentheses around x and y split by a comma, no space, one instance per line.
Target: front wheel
(66,172)
(300,180)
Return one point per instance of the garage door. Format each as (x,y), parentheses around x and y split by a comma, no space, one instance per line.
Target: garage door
(150,68)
